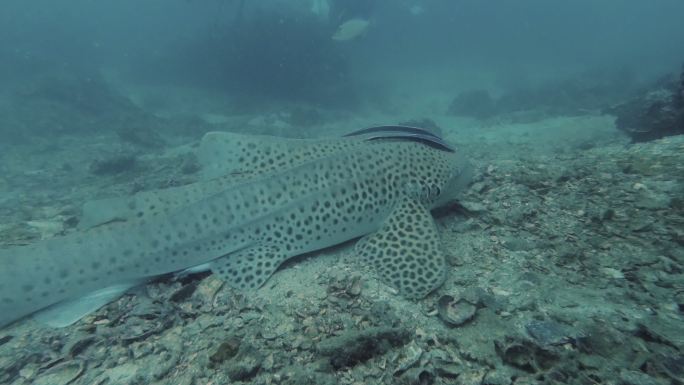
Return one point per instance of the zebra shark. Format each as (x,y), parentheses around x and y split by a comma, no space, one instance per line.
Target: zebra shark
(260,201)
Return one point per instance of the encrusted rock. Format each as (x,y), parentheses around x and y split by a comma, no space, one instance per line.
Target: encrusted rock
(345,285)
(549,333)
(226,351)
(240,360)
(356,346)
(455,312)
(525,355)
(113,165)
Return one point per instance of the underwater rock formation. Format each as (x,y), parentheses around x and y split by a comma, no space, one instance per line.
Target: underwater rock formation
(349,349)
(655,114)
(573,95)
(64,102)
(476,104)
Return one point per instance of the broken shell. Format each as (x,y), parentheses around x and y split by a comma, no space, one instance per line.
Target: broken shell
(355,288)
(521,357)
(418,376)
(344,285)
(526,355)
(269,362)
(411,356)
(444,364)
(139,329)
(673,366)
(547,333)
(226,351)
(80,345)
(47,229)
(455,312)
(64,373)
(447,368)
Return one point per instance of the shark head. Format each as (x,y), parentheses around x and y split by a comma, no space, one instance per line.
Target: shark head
(455,177)
(435,176)
(432,170)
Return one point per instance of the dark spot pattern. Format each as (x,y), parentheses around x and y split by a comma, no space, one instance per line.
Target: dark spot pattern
(347,193)
(249,268)
(406,250)
(283,200)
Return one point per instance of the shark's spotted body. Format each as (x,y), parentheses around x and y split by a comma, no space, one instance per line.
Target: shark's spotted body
(263,201)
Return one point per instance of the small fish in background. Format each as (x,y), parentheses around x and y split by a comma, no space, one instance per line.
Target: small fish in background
(320,8)
(351,29)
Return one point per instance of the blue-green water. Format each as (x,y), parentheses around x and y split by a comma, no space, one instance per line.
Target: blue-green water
(516,219)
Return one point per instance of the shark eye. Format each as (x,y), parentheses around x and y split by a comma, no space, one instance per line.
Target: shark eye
(436,191)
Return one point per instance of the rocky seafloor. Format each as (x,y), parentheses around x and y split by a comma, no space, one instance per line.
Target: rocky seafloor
(566,267)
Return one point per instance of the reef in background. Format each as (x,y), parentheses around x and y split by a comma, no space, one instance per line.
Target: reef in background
(655,113)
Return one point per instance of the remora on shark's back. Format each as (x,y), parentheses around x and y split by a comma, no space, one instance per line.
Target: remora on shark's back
(262,200)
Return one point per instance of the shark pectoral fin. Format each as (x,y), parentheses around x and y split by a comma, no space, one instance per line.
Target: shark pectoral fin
(248,268)
(65,313)
(406,250)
